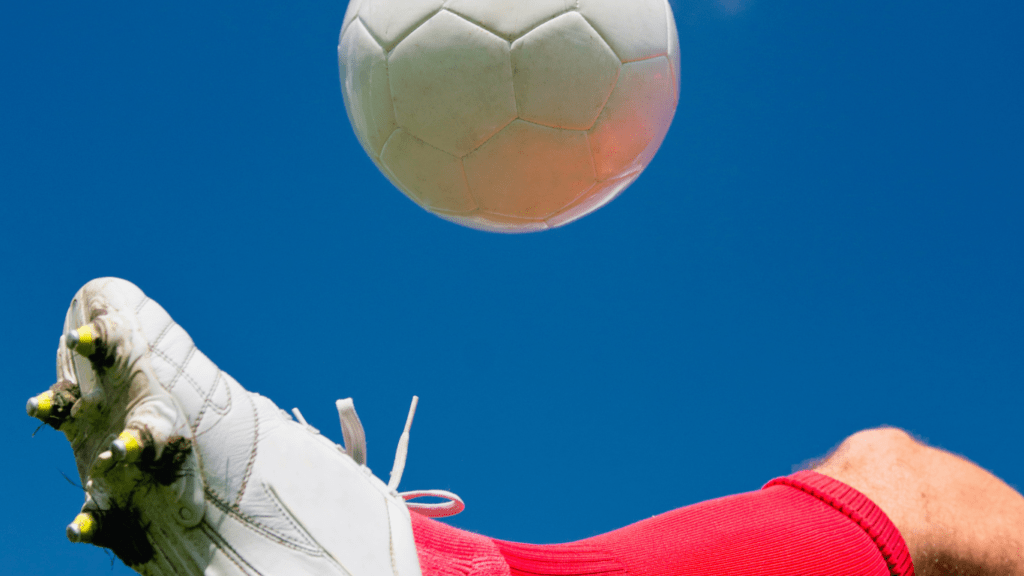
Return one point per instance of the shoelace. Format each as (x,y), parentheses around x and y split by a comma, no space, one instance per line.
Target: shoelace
(355,447)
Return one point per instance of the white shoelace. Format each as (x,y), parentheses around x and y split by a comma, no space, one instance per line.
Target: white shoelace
(355,447)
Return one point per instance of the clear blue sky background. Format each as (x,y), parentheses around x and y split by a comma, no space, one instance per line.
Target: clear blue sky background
(829,240)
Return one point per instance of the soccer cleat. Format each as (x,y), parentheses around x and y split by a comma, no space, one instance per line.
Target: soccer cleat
(187,473)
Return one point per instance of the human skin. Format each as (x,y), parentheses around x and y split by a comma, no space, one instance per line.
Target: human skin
(956,518)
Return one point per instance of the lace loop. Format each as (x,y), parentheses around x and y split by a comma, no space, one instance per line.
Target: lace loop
(355,447)
(453,506)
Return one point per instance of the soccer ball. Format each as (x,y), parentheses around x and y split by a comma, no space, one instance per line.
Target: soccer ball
(510,115)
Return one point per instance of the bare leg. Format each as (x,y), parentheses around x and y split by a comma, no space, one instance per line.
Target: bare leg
(956,518)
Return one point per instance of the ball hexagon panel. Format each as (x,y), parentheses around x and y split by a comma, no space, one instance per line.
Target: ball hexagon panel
(635,29)
(563,73)
(599,195)
(389,23)
(635,119)
(451,83)
(509,19)
(495,222)
(529,171)
(434,177)
(364,84)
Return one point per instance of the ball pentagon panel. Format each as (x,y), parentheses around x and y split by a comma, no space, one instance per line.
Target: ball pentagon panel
(451,84)
(563,73)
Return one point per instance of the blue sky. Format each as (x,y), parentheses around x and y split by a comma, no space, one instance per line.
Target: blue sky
(829,240)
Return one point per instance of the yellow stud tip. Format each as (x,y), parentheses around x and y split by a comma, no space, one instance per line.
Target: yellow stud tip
(83,528)
(85,335)
(128,446)
(40,406)
(82,340)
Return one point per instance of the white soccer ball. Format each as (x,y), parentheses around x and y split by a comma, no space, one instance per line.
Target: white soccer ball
(510,115)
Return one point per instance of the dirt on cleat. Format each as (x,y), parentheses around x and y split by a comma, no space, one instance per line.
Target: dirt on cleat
(54,406)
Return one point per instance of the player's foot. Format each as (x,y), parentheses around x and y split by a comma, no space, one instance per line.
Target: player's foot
(187,473)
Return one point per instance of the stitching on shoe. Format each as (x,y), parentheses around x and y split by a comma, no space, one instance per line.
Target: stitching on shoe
(207,401)
(141,304)
(225,547)
(252,455)
(284,512)
(163,333)
(255,526)
(391,537)
(182,372)
(179,372)
(222,410)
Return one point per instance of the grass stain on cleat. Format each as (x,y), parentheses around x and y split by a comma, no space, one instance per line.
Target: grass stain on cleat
(83,528)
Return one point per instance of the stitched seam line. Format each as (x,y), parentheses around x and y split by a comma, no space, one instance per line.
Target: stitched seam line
(255,526)
(223,545)
(252,454)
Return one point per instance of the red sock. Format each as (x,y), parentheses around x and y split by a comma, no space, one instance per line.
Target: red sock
(802,524)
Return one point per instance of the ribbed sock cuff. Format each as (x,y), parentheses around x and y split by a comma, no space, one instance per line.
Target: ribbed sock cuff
(860,509)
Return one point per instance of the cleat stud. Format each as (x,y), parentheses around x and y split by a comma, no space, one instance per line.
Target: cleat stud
(128,446)
(40,406)
(71,339)
(82,340)
(118,449)
(103,463)
(83,528)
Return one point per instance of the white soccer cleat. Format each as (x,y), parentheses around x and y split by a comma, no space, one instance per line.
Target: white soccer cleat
(187,473)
